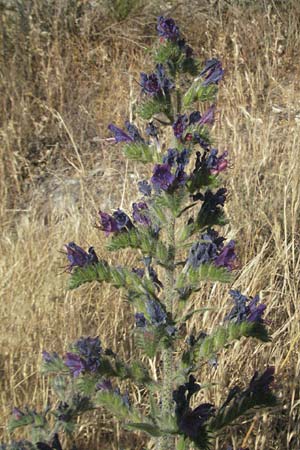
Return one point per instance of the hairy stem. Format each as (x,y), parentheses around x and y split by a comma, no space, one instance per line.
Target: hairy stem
(167,442)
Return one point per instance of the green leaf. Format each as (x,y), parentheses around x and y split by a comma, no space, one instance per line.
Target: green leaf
(190,65)
(191,313)
(166,52)
(130,238)
(140,152)
(148,428)
(240,404)
(113,402)
(183,443)
(202,179)
(197,92)
(25,420)
(205,272)
(139,373)
(148,340)
(226,334)
(151,107)
(86,385)
(92,272)
(171,201)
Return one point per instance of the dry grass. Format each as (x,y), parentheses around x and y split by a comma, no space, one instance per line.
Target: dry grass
(61,84)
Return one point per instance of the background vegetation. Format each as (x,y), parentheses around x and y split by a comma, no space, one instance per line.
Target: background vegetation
(67,67)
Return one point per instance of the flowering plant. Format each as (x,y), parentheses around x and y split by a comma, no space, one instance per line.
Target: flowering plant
(173,227)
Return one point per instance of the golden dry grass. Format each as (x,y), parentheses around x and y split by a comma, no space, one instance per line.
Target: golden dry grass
(60,88)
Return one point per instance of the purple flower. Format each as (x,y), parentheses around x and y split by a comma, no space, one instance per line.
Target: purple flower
(141,213)
(216,164)
(144,188)
(119,221)
(194,117)
(122,220)
(156,313)
(227,257)
(208,117)
(170,157)
(120,136)
(162,177)
(192,420)
(156,83)
(140,320)
(245,309)
(180,125)
(78,257)
(206,250)
(139,272)
(167,29)
(256,311)
(75,363)
(212,71)
(261,384)
(133,132)
(202,142)
(88,346)
(49,358)
(210,212)
(17,413)
(108,223)
(183,158)
(90,350)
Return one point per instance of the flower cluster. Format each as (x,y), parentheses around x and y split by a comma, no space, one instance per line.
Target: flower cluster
(191,421)
(210,249)
(85,356)
(245,309)
(156,84)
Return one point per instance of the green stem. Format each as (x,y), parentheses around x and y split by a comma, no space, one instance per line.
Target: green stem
(167,442)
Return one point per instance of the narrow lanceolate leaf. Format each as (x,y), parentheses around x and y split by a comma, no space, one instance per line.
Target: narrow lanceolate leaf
(130,238)
(243,403)
(197,92)
(172,202)
(166,52)
(230,332)
(140,152)
(152,430)
(148,341)
(115,403)
(119,277)
(150,108)
(135,238)
(26,419)
(92,272)
(183,443)
(205,272)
